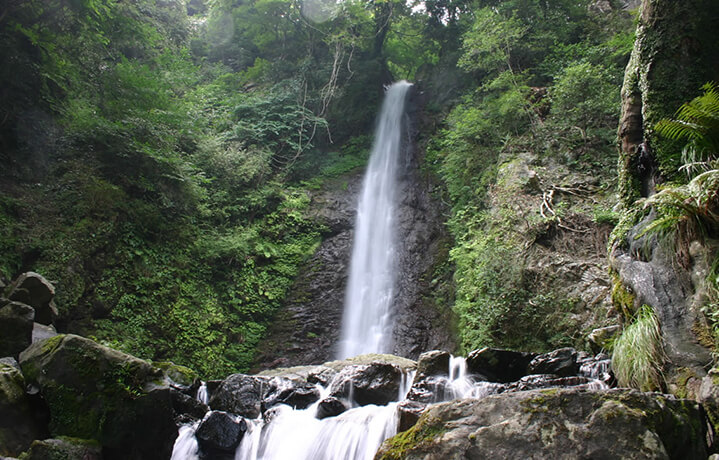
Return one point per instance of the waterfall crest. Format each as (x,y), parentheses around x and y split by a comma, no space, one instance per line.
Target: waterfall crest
(366,323)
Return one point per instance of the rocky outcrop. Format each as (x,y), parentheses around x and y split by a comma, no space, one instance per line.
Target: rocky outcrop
(94,392)
(375,383)
(562,424)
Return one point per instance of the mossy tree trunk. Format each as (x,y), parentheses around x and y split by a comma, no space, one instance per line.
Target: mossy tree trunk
(675,53)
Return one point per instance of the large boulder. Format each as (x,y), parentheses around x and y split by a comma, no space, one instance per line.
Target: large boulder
(94,392)
(240,394)
(64,449)
(294,393)
(16,323)
(434,362)
(558,424)
(376,383)
(19,425)
(33,289)
(497,365)
(220,433)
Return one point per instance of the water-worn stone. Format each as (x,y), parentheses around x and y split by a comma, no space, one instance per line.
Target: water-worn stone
(294,393)
(536,381)
(561,362)
(94,392)
(16,322)
(64,449)
(434,362)
(557,424)
(240,394)
(497,365)
(186,405)
(18,424)
(329,407)
(33,289)
(220,431)
(376,383)
(409,413)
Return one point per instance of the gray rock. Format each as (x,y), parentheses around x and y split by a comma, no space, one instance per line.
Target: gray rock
(240,394)
(184,404)
(33,289)
(220,431)
(557,424)
(330,407)
(42,332)
(561,362)
(497,365)
(18,424)
(294,393)
(433,362)
(16,323)
(65,448)
(376,383)
(95,392)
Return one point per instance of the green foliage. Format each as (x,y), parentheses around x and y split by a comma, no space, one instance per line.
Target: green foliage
(696,123)
(638,355)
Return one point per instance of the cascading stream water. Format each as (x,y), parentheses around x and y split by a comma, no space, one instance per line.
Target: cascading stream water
(366,324)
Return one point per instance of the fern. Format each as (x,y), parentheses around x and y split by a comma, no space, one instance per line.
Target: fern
(696,122)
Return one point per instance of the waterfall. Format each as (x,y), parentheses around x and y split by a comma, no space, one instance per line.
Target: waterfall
(366,324)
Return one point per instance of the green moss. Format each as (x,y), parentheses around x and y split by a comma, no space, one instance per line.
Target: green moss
(622,298)
(426,431)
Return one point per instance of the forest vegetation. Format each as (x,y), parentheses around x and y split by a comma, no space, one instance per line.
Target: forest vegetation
(158,156)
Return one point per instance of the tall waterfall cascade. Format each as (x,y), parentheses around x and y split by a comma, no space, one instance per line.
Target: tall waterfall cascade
(367,319)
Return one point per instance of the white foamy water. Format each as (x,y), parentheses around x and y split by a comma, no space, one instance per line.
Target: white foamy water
(367,320)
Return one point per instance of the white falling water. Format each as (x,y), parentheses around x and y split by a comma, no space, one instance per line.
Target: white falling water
(366,325)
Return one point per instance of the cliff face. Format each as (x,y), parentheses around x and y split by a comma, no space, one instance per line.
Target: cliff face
(676,51)
(307,329)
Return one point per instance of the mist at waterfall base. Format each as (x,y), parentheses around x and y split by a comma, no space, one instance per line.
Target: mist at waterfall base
(366,323)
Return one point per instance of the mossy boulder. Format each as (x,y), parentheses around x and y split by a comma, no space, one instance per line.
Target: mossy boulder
(559,424)
(63,449)
(18,424)
(94,392)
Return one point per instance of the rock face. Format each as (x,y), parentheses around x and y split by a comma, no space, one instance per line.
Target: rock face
(561,424)
(94,392)
(307,328)
(16,324)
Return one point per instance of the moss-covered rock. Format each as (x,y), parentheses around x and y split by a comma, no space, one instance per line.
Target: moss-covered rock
(63,449)
(18,425)
(556,423)
(94,392)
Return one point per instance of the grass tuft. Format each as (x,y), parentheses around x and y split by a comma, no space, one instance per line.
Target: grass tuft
(638,354)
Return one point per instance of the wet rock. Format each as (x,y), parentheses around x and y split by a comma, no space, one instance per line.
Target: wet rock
(33,289)
(597,367)
(184,404)
(220,432)
(376,383)
(536,381)
(433,362)
(294,393)
(65,448)
(18,424)
(497,365)
(409,413)
(330,407)
(562,362)
(240,394)
(558,424)
(599,339)
(94,392)
(16,322)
